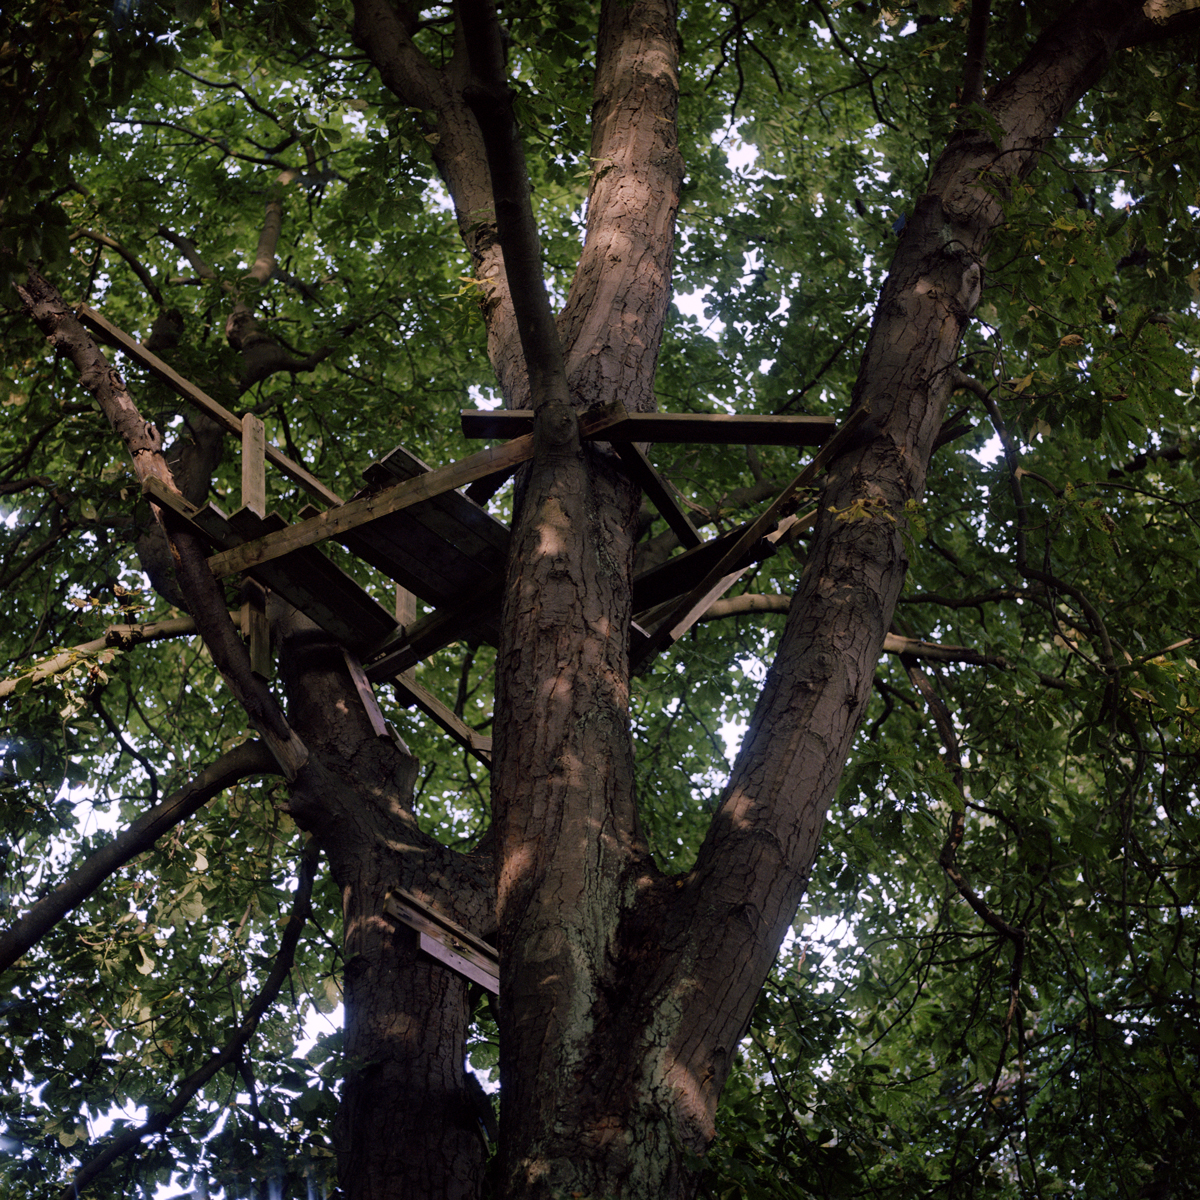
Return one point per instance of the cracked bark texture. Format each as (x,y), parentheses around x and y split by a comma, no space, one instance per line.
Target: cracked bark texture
(625,994)
(407,1126)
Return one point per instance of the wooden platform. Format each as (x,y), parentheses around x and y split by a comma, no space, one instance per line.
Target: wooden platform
(412,524)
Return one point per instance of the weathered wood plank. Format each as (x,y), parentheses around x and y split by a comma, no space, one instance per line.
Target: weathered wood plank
(721,429)
(670,629)
(254,475)
(307,579)
(438,629)
(190,392)
(659,494)
(408,691)
(366,695)
(445,940)
(355,513)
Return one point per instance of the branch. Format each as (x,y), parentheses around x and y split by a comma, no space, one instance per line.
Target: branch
(188,249)
(948,859)
(976,68)
(250,758)
(206,598)
(893,643)
(232,1050)
(623,279)
(139,268)
(490,99)
(1015,471)
(123,637)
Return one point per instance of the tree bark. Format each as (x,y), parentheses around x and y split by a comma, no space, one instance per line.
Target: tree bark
(408,1128)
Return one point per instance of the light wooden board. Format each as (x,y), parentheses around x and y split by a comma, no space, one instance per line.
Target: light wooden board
(445,940)
(722,429)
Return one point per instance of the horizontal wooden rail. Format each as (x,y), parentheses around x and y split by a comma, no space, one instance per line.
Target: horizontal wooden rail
(720,429)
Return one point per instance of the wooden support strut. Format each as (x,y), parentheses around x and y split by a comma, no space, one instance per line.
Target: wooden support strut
(715,429)
(688,610)
(449,943)
(205,403)
(400,496)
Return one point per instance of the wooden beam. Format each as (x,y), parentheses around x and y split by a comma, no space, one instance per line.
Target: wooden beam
(362,685)
(309,580)
(687,611)
(721,429)
(380,504)
(659,494)
(408,690)
(435,630)
(204,402)
(254,475)
(446,941)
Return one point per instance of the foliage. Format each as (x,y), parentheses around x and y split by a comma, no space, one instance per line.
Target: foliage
(914,1051)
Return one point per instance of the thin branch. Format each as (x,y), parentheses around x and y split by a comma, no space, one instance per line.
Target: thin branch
(893,643)
(138,267)
(188,249)
(250,758)
(232,1050)
(1015,471)
(948,859)
(123,637)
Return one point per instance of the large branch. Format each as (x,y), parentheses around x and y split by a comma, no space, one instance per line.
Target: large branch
(115,637)
(490,99)
(754,864)
(624,276)
(232,1050)
(384,33)
(144,444)
(250,758)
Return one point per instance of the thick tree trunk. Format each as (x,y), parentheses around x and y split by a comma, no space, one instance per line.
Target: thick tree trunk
(408,1128)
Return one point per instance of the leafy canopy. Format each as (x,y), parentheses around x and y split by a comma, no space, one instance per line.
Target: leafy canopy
(917,1049)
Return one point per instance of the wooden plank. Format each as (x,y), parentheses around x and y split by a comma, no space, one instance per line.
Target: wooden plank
(406,616)
(204,402)
(410,692)
(254,475)
(659,494)
(788,528)
(438,549)
(721,429)
(307,580)
(445,940)
(676,624)
(365,694)
(438,629)
(668,580)
(255,628)
(355,513)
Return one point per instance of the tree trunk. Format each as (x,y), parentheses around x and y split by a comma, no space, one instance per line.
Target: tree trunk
(408,1128)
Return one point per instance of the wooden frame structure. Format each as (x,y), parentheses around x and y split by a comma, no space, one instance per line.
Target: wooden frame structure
(413,524)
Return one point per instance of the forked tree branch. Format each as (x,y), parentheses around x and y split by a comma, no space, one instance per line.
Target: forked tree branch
(144,444)
(250,758)
(232,1049)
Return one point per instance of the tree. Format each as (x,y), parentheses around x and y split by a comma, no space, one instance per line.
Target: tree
(261,194)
